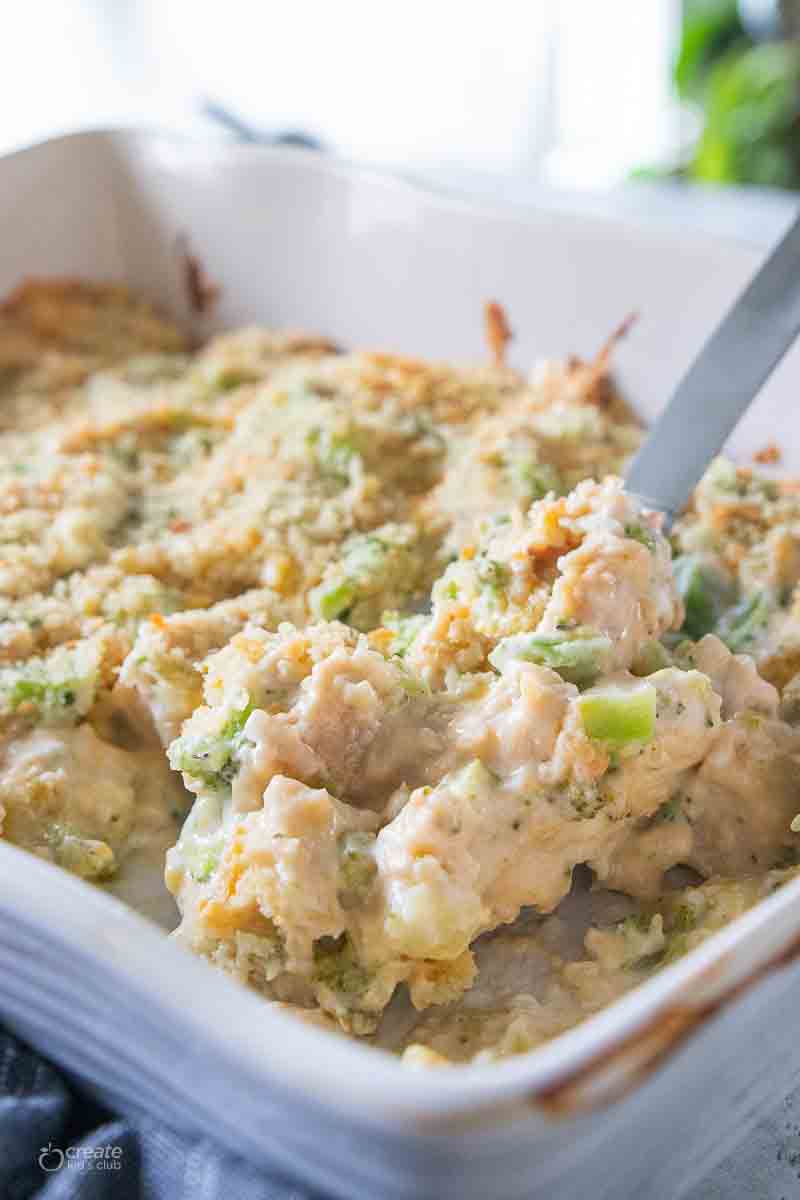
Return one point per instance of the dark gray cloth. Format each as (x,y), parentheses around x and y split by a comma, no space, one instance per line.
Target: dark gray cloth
(56,1144)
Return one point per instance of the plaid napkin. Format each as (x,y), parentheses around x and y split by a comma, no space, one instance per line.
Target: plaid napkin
(56,1144)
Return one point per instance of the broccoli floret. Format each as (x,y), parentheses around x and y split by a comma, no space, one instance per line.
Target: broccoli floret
(336,966)
(212,758)
(57,689)
(371,564)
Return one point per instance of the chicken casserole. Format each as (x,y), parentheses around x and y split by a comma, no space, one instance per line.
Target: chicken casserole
(379,658)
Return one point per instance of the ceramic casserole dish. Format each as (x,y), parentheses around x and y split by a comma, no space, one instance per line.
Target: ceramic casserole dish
(651,1092)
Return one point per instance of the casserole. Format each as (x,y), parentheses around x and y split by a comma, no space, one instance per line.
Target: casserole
(279,1085)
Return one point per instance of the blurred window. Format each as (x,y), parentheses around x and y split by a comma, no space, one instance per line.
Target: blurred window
(575,88)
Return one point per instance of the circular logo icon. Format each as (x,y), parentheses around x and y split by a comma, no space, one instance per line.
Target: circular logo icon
(51,1158)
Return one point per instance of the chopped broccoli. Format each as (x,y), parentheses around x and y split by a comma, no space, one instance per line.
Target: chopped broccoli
(212,758)
(371,564)
(534,479)
(742,624)
(334,453)
(684,918)
(723,476)
(493,575)
(337,968)
(619,718)
(335,601)
(651,657)
(405,630)
(56,689)
(202,870)
(705,594)
(641,533)
(677,945)
(225,376)
(579,656)
(671,809)
(642,940)
(201,842)
(43,695)
(86,857)
(365,555)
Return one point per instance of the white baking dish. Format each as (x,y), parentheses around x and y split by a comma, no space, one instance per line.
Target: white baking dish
(643,1098)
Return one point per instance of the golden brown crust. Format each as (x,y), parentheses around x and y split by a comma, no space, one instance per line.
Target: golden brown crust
(598,384)
(498,331)
(768,454)
(69,314)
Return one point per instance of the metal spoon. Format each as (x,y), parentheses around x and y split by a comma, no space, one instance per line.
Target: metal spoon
(722,381)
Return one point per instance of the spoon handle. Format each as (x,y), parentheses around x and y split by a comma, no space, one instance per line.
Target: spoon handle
(721,382)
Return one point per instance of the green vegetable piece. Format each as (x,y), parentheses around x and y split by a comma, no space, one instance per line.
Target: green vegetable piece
(619,718)
(333,452)
(365,556)
(704,592)
(357,868)
(222,376)
(741,625)
(405,630)
(335,601)
(641,533)
(652,657)
(671,809)
(684,918)
(237,720)
(677,945)
(42,694)
(493,575)
(202,870)
(336,966)
(85,857)
(536,479)
(212,758)
(580,657)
